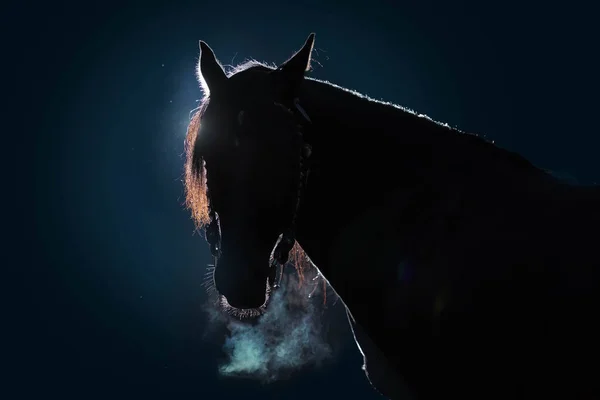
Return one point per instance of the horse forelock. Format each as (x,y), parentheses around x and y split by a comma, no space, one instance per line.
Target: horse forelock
(250,64)
(196,191)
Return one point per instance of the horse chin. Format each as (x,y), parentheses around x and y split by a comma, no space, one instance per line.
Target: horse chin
(244,313)
(246,302)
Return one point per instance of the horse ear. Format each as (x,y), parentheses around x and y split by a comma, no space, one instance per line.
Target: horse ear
(210,72)
(293,69)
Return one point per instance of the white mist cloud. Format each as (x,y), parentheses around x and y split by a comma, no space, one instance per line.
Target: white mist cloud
(286,338)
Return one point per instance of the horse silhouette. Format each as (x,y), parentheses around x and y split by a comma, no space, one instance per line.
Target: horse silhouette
(465,270)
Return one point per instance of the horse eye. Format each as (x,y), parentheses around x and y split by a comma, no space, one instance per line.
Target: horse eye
(240,117)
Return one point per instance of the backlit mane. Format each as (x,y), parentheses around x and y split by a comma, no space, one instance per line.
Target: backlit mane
(196,190)
(196,196)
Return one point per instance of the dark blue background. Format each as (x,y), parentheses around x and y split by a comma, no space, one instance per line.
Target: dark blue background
(102,93)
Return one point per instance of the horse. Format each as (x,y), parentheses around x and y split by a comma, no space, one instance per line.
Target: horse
(465,269)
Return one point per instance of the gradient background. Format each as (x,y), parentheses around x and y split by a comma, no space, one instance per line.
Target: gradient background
(110,301)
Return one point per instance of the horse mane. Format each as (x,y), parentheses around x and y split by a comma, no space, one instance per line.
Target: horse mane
(196,190)
(480,141)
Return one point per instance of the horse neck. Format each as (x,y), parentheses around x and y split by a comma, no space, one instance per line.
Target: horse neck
(366,151)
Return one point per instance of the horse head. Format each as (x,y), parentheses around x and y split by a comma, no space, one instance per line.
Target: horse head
(245,172)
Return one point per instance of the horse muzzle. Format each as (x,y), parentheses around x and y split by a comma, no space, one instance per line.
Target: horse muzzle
(244,286)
